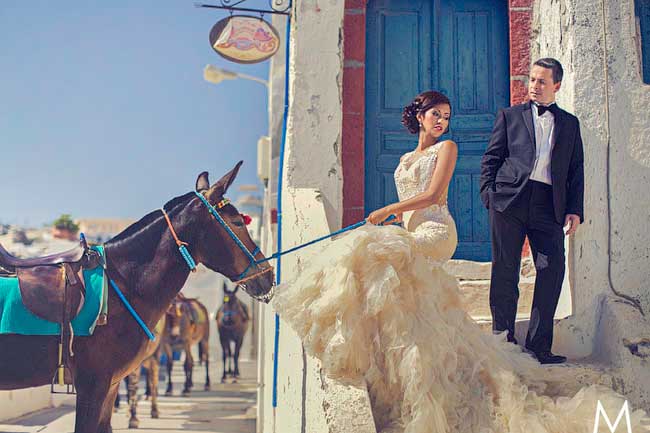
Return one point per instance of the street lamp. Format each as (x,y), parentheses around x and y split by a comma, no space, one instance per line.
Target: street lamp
(216,75)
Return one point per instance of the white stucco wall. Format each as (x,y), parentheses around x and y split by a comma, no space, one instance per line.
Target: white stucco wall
(600,79)
(312,194)
(603,326)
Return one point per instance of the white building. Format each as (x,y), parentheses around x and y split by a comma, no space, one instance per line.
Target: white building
(355,63)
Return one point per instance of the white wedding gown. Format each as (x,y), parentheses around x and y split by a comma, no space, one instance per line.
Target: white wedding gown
(377,304)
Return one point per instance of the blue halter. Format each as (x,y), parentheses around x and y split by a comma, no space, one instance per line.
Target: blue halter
(251,256)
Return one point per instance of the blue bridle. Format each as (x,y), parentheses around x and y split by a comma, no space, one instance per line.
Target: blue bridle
(251,256)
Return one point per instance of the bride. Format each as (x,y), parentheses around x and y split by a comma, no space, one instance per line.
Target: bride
(377,304)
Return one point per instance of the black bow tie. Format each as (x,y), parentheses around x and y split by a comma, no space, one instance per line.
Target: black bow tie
(541,109)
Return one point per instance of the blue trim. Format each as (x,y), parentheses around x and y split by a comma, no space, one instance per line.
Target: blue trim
(642,10)
(131,310)
(278,268)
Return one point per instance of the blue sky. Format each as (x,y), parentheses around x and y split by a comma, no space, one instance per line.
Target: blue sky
(104,111)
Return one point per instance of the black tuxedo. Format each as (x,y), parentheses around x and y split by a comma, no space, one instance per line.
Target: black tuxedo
(520,207)
(510,155)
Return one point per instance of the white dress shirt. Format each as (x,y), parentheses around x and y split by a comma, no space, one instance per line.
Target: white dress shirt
(544,142)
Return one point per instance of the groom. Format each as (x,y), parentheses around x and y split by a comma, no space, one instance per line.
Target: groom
(532,182)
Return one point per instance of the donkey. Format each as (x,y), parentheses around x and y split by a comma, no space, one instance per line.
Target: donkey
(144,261)
(151,367)
(187,324)
(232,324)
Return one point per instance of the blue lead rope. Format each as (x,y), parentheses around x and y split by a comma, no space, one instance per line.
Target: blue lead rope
(322,238)
(102,254)
(131,310)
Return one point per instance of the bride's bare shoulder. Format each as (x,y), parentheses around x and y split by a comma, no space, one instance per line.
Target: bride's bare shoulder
(448,150)
(448,144)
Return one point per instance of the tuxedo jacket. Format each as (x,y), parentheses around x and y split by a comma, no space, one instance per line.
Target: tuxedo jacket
(510,156)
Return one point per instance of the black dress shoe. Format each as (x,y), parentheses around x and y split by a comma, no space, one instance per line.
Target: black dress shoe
(547,357)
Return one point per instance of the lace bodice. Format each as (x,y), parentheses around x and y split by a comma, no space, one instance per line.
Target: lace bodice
(412,177)
(414,172)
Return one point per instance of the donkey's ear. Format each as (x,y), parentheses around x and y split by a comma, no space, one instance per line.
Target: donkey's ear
(222,185)
(202,182)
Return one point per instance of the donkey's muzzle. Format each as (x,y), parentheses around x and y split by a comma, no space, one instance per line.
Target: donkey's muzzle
(262,288)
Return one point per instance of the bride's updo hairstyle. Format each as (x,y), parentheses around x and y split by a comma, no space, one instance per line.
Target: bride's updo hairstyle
(421,104)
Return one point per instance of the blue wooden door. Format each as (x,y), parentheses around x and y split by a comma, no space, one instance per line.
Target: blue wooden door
(459,47)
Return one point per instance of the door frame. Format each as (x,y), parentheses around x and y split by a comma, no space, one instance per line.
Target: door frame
(520,14)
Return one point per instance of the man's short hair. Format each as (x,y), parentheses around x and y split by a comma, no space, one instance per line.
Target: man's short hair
(554,65)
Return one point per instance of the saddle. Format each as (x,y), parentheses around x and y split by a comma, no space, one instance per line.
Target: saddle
(52,288)
(71,256)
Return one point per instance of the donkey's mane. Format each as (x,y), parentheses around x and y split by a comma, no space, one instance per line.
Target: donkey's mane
(146,226)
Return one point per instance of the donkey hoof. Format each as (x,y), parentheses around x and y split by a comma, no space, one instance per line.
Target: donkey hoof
(155,414)
(134,423)
(168,393)
(186,393)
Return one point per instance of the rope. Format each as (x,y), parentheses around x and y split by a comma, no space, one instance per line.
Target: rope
(123,298)
(182,246)
(256,274)
(131,310)
(171,229)
(322,238)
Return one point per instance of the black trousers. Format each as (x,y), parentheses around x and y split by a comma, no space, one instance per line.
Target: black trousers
(531,214)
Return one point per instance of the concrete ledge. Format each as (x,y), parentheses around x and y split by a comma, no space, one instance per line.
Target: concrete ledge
(623,341)
(347,407)
(19,402)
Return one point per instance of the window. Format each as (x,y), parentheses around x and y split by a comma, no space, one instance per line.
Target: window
(642,9)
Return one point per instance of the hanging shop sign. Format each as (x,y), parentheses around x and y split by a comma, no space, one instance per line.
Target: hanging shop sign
(244,39)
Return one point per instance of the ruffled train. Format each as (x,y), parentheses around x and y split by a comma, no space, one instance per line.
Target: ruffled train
(373,304)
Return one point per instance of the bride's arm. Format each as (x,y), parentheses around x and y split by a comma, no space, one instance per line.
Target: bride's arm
(437,186)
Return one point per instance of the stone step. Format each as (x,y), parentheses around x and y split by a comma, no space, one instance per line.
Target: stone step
(476,297)
(469,270)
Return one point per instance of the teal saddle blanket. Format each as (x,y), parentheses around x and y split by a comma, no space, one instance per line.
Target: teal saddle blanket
(16,319)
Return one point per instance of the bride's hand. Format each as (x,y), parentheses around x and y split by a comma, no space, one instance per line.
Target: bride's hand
(380,215)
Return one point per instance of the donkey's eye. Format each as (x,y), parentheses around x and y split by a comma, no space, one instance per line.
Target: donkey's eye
(238,223)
